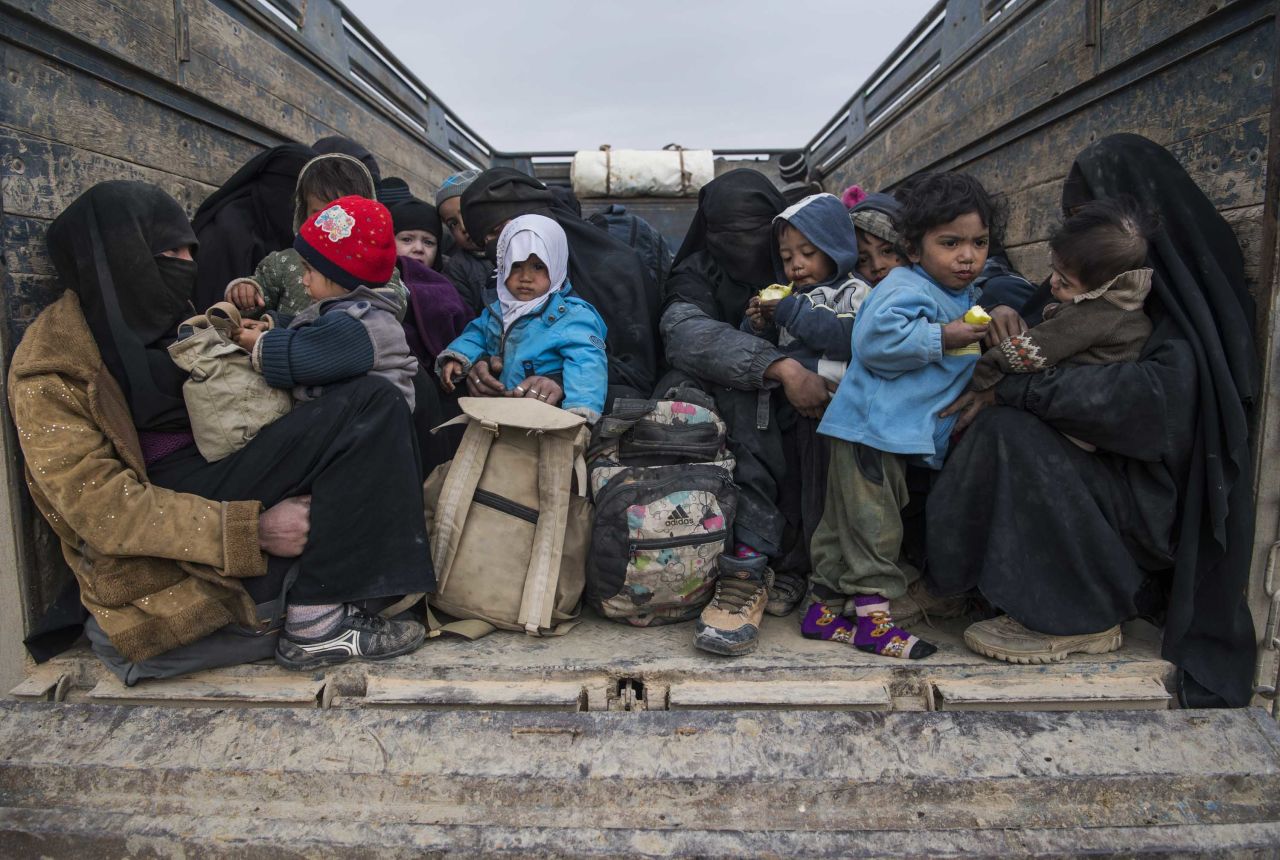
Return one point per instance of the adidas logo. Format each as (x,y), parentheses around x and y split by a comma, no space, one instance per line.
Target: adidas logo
(678,517)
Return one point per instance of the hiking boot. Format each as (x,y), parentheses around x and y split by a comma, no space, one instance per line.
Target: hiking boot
(786,591)
(919,603)
(359,636)
(1003,638)
(731,622)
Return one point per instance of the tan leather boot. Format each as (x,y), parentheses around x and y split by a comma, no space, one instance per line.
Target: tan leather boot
(730,624)
(1005,639)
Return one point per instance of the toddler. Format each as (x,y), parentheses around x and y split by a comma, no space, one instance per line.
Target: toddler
(537,327)
(879,247)
(350,328)
(1100,286)
(815,250)
(276,284)
(913,354)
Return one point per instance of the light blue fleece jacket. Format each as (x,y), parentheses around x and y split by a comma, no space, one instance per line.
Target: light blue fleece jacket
(900,377)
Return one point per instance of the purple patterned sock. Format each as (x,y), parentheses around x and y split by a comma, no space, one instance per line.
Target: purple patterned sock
(824,622)
(877,634)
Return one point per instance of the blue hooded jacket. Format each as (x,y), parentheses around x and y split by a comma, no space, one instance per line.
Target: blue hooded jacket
(815,327)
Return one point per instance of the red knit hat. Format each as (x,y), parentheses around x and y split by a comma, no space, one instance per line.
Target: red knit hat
(350,241)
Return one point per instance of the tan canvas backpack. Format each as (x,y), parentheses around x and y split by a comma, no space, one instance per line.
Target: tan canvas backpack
(228,401)
(509,519)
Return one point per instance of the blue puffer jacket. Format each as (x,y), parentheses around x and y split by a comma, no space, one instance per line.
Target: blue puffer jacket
(565,340)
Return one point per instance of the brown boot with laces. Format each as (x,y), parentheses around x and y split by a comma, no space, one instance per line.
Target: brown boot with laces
(731,622)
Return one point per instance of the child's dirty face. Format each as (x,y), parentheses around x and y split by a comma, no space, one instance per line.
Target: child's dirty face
(529,279)
(318,286)
(417,244)
(451,215)
(802,262)
(1064,285)
(954,253)
(876,258)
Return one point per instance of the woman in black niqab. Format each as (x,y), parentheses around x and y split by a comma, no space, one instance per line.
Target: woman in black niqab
(733,230)
(108,249)
(246,219)
(1168,498)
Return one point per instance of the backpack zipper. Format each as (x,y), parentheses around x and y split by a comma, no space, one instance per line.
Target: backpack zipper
(672,542)
(506,506)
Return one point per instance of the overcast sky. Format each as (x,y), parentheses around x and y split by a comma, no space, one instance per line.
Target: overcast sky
(561,75)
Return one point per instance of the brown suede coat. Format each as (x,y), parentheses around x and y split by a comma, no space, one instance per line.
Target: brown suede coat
(157,568)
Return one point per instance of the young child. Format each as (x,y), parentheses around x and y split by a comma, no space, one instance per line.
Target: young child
(466,266)
(537,326)
(879,246)
(436,313)
(815,250)
(913,354)
(276,285)
(1100,286)
(350,329)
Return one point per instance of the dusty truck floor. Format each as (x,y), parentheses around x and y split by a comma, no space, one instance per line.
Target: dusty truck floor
(602,665)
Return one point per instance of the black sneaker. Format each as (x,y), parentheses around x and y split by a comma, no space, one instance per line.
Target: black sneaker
(360,636)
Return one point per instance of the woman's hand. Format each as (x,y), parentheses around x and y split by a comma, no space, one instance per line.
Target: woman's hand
(969,405)
(482,383)
(283,528)
(245,295)
(1005,322)
(539,388)
(806,390)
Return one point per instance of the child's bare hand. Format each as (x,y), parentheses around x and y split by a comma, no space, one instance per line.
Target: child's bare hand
(450,375)
(958,333)
(769,308)
(249,332)
(245,295)
(753,314)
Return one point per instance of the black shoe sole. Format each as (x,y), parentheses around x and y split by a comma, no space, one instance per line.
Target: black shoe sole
(338,659)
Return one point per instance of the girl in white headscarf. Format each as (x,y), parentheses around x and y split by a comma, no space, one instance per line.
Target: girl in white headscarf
(538,333)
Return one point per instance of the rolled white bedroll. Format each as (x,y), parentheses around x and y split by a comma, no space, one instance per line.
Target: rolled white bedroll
(670,172)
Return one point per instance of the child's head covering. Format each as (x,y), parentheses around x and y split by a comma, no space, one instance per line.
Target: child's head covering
(852,196)
(392,190)
(455,185)
(414,214)
(350,241)
(522,238)
(825,222)
(345,145)
(875,214)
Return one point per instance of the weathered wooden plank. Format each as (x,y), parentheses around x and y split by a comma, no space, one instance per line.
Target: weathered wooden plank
(41,178)
(481,695)
(142,35)
(24,245)
(212,688)
(51,101)
(1080,692)
(31,294)
(1146,24)
(790,695)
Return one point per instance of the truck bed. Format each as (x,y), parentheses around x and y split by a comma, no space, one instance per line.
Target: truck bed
(605,666)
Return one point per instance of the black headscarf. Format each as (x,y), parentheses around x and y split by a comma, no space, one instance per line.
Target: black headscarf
(604,271)
(728,252)
(347,146)
(246,219)
(1198,295)
(105,247)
